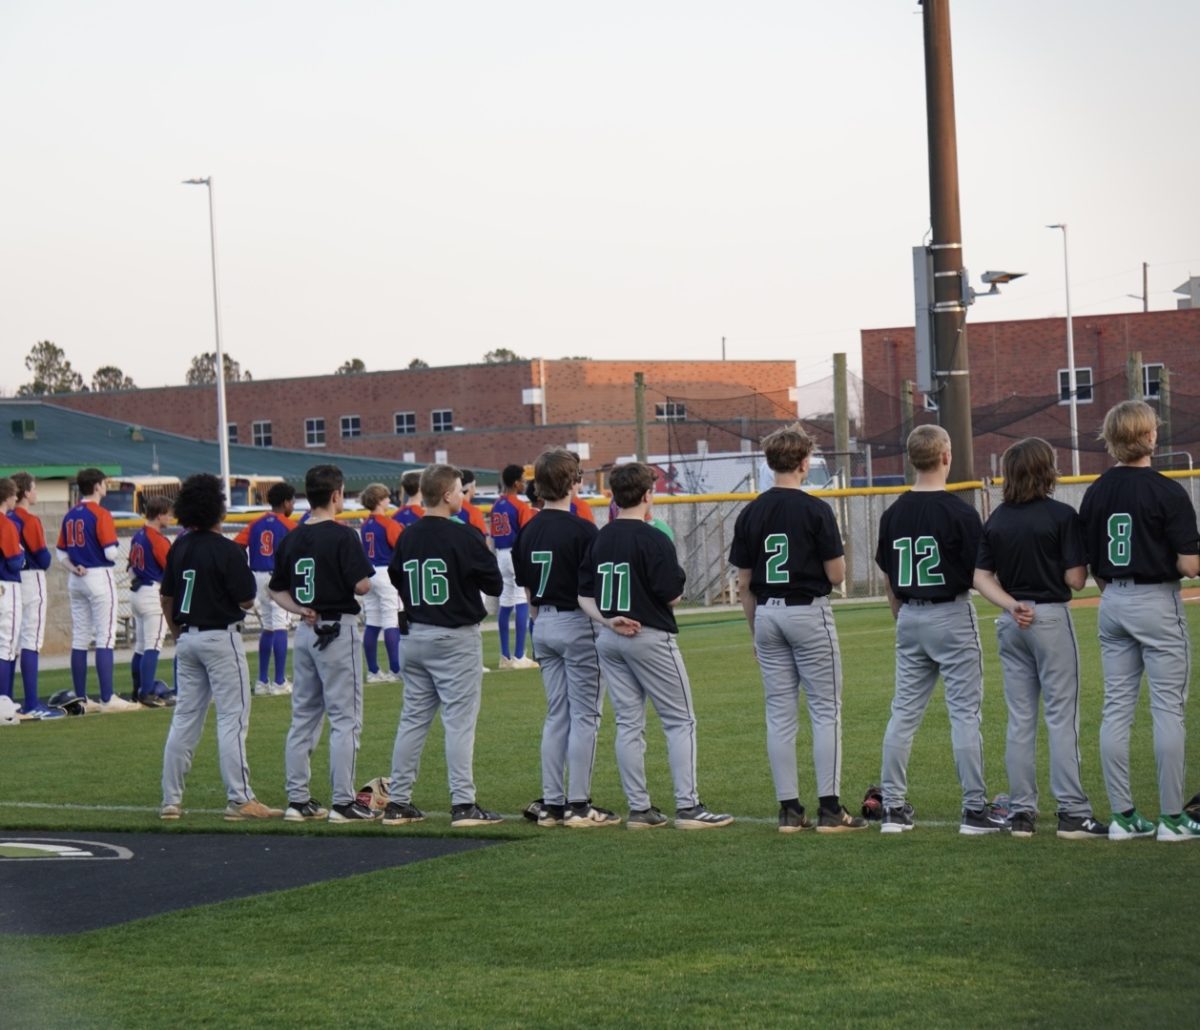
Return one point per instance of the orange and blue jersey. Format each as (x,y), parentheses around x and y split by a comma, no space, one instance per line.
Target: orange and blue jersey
(509,514)
(409,514)
(583,510)
(379,535)
(12,554)
(261,539)
(472,516)
(33,538)
(148,556)
(86,533)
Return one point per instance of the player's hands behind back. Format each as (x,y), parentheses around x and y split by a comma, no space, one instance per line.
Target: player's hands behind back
(624,625)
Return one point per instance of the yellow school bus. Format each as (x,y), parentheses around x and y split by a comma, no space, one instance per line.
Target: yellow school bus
(127,495)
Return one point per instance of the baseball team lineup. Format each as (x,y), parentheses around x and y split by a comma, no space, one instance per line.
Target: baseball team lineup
(593,610)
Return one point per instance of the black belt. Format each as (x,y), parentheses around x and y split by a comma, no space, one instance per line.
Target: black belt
(205,629)
(557,608)
(921,602)
(788,602)
(139,583)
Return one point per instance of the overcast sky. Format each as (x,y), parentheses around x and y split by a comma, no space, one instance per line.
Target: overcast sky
(629,179)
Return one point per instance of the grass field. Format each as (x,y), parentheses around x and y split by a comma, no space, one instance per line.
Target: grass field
(737,927)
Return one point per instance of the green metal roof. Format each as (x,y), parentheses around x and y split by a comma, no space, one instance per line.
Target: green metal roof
(65,441)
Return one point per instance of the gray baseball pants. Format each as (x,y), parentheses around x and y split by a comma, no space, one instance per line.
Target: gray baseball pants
(1143,628)
(797,647)
(565,647)
(933,639)
(649,666)
(1042,662)
(442,668)
(325,682)
(209,666)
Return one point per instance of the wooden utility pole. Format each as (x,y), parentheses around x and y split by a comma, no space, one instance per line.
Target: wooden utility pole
(639,412)
(1134,375)
(841,446)
(906,426)
(950,302)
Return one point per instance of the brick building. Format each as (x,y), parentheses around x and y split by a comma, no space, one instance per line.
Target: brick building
(1019,383)
(480,415)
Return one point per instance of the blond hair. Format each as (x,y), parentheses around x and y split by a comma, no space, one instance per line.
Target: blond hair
(926,445)
(373,495)
(1127,429)
(786,448)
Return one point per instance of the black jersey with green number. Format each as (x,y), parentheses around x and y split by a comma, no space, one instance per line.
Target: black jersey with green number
(928,541)
(1029,546)
(632,570)
(1136,522)
(440,566)
(785,537)
(319,564)
(547,555)
(207,579)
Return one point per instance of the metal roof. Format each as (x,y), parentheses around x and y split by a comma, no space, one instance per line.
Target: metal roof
(63,441)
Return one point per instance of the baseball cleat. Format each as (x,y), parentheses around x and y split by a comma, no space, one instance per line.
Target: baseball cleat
(551,815)
(1080,827)
(898,819)
(401,814)
(44,712)
(645,819)
(252,809)
(700,818)
(506,663)
(462,816)
(840,821)
(586,815)
(118,704)
(1180,827)
(524,663)
(170,812)
(979,821)
(261,689)
(793,818)
(280,689)
(378,677)
(302,811)
(1127,827)
(351,812)
(1023,824)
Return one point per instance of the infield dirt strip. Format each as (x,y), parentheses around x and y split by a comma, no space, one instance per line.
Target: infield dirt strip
(54,883)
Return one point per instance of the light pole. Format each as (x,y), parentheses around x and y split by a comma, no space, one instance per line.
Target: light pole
(222,427)
(1073,399)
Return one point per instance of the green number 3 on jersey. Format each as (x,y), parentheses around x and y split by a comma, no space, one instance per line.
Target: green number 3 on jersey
(1120,539)
(306,571)
(925,550)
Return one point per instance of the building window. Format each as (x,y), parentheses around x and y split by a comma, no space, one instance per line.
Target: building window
(406,423)
(671,411)
(929,402)
(260,434)
(1083,386)
(314,432)
(231,431)
(1152,381)
(351,426)
(442,420)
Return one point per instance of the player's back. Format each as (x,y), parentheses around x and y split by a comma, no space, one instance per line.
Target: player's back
(928,543)
(547,556)
(440,567)
(632,570)
(319,564)
(86,531)
(1029,545)
(784,537)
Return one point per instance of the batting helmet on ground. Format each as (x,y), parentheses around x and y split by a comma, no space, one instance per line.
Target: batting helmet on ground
(68,701)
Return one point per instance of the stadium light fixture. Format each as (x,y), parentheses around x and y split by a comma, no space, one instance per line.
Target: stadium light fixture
(222,430)
(1072,390)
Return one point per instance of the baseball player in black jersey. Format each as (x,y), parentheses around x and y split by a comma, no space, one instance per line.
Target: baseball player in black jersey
(440,566)
(206,589)
(788,553)
(1140,537)
(928,541)
(629,582)
(1030,559)
(320,570)
(546,559)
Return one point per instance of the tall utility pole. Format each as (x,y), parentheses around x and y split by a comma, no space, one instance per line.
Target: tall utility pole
(949,308)
(639,414)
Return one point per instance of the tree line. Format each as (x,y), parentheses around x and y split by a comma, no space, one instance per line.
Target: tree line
(52,371)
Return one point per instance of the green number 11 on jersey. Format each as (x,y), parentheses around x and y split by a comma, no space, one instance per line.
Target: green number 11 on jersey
(614,573)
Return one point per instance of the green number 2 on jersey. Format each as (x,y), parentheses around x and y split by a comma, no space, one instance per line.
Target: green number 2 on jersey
(305,569)
(1120,539)
(609,572)
(776,548)
(925,550)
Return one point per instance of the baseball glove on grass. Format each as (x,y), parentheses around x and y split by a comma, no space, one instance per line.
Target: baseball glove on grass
(872,804)
(374,795)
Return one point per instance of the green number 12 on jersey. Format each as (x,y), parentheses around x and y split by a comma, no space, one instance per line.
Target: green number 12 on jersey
(925,550)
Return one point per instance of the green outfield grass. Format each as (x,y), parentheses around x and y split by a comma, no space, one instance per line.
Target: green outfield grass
(738,927)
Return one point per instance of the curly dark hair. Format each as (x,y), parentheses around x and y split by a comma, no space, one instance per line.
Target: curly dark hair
(201,502)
